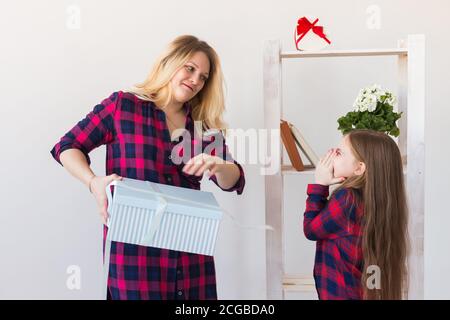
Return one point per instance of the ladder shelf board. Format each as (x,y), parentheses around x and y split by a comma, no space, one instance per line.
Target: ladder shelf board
(344,53)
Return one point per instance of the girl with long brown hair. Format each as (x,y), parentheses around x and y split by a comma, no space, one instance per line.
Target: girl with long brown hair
(361,230)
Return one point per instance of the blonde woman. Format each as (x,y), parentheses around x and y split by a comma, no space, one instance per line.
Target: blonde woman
(140,128)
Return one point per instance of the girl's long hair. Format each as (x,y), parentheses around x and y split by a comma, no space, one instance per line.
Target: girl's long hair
(381,190)
(208,105)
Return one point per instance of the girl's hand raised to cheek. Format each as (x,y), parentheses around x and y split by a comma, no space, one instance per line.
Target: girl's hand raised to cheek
(324,171)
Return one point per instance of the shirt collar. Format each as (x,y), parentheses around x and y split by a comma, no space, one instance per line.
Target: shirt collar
(186,106)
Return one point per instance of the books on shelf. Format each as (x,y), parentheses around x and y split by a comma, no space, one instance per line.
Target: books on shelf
(292,138)
(289,143)
(304,146)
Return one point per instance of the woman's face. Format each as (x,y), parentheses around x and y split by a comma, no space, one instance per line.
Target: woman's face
(191,78)
(345,163)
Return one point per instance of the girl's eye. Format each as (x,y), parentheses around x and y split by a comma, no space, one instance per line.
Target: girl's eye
(203,78)
(189,68)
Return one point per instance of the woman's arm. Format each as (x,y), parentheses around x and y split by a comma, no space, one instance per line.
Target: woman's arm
(72,151)
(227,174)
(224,171)
(76,163)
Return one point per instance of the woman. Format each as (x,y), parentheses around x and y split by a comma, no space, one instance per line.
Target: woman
(185,85)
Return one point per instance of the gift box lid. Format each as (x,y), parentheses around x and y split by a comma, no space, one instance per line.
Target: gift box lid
(146,194)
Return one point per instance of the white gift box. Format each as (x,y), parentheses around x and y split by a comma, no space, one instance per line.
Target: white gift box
(163,216)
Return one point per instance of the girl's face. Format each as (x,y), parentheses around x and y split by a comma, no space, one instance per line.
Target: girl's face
(191,78)
(345,163)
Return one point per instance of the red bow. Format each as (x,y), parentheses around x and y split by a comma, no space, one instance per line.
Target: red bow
(303,27)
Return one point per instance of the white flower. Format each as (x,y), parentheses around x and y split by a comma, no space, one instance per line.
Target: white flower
(359,105)
(368,98)
(375,88)
(371,101)
(361,108)
(392,100)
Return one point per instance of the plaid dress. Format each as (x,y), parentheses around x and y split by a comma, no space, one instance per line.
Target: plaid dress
(138,146)
(336,226)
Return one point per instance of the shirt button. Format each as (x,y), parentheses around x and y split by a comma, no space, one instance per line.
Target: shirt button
(170,157)
(178,271)
(180,293)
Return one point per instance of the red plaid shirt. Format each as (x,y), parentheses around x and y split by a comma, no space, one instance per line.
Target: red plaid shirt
(138,146)
(336,226)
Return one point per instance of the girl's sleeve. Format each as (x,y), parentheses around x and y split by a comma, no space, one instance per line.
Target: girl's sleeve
(96,129)
(225,154)
(326,219)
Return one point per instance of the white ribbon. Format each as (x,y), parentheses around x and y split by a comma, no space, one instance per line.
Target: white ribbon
(161,208)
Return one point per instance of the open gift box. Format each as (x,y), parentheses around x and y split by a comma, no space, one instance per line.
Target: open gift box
(163,216)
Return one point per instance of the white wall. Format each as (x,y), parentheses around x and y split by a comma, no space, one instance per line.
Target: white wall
(53,75)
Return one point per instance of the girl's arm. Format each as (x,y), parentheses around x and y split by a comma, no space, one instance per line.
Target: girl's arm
(325,219)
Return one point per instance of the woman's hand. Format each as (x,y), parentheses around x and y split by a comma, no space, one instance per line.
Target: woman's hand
(325,171)
(202,162)
(97,186)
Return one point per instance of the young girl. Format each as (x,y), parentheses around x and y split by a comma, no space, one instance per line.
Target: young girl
(138,127)
(361,230)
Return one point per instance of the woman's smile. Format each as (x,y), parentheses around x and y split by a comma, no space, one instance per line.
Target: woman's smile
(188,87)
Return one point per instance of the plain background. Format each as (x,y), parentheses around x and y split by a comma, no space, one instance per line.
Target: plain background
(52,75)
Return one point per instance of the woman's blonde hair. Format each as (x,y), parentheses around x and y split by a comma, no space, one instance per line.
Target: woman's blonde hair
(207,105)
(381,190)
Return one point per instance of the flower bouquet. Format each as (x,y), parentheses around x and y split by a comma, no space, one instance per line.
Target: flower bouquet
(373,109)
